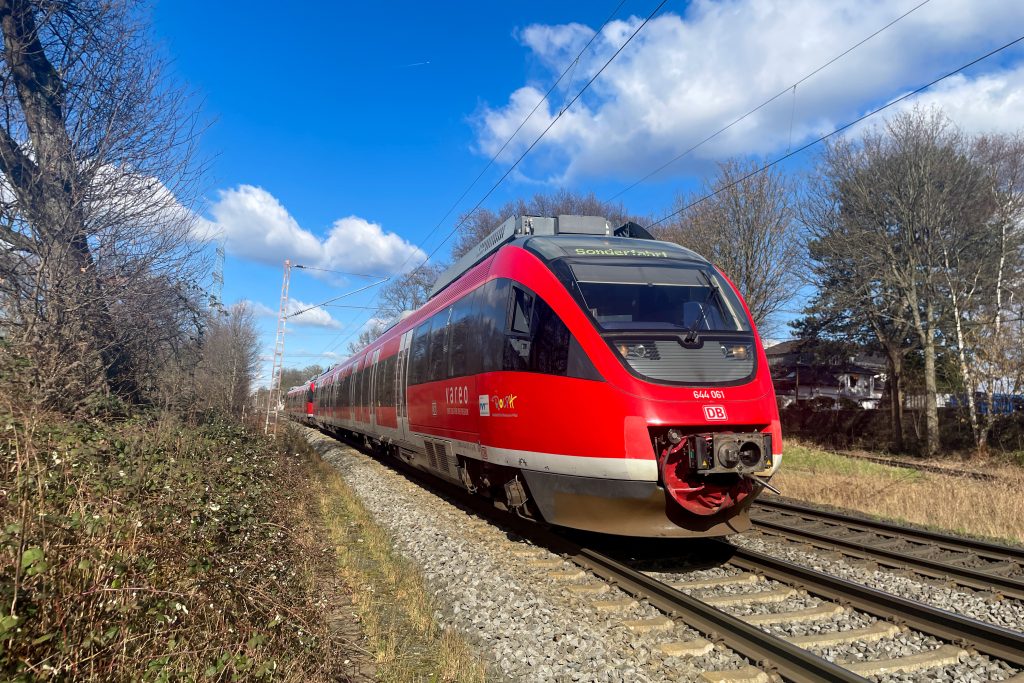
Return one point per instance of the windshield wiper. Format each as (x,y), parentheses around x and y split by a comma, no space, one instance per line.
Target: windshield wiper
(691,335)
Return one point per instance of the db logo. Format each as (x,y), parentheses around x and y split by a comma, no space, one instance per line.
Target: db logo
(715,413)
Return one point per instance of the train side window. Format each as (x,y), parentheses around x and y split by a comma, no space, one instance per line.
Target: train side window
(390,379)
(439,345)
(462,355)
(551,342)
(419,363)
(538,340)
(522,311)
(403,361)
(489,323)
(519,341)
(364,383)
(354,389)
(386,382)
(391,391)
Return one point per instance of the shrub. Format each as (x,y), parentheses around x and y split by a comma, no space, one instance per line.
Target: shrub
(155,550)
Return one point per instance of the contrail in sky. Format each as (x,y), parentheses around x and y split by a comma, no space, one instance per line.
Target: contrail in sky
(406,66)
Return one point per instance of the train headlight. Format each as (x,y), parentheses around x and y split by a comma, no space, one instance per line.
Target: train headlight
(674,435)
(737,351)
(646,350)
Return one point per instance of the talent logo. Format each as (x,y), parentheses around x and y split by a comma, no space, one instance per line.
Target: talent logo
(715,413)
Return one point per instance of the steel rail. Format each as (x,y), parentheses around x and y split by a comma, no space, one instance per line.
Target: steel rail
(921,466)
(987,549)
(790,661)
(987,639)
(965,576)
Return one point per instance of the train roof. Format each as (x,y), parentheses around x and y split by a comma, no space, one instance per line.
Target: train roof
(590,238)
(554,237)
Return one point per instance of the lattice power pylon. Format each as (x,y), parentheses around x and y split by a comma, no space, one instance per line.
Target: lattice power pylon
(274,401)
(217,288)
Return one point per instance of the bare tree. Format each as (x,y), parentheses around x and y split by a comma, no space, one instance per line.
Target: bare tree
(747,227)
(997,325)
(97,179)
(407,292)
(374,328)
(293,377)
(909,209)
(230,355)
(404,293)
(476,225)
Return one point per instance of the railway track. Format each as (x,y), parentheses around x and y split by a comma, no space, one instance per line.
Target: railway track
(920,466)
(771,581)
(966,562)
(690,605)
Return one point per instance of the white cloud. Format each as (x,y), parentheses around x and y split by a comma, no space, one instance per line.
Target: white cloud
(992,102)
(260,309)
(256,226)
(685,76)
(315,316)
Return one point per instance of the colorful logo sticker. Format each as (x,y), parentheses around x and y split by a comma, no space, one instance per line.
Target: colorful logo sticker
(506,402)
(485,405)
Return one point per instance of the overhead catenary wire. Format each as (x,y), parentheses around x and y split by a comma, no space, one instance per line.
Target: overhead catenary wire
(569,104)
(351,333)
(836,131)
(543,99)
(340,296)
(337,272)
(554,120)
(792,87)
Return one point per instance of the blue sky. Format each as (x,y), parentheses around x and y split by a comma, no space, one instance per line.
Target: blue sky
(341,133)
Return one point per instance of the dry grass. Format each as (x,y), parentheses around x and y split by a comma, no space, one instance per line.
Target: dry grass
(957,504)
(394,607)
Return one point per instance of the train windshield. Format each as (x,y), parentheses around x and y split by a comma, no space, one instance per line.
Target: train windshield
(659,297)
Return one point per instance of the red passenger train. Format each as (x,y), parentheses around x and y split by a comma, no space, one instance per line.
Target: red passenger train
(591,378)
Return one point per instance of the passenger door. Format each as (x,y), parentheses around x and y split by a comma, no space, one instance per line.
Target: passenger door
(373,390)
(401,385)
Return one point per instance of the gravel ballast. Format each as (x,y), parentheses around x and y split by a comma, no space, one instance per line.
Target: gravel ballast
(531,627)
(514,602)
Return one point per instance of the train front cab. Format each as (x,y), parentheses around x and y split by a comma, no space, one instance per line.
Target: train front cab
(655,415)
